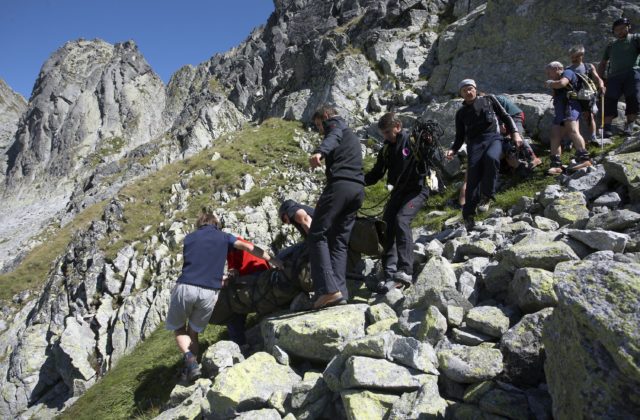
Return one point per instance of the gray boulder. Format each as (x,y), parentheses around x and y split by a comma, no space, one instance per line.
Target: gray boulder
(537,251)
(75,356)
(316,335)
(364,372)
(601,240)
(489,320)
(569,208)
(363,404)
(263,414)
(249,384)
(437,273)
(219,356)
(532,289)
(415,354)
(617,220)
(625,168)
(523,350)
(378,345)
(432,327)
(513,405)
(592,340)
(425,403)
(465,364)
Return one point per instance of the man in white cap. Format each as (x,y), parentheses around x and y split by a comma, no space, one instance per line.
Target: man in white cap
(477,124)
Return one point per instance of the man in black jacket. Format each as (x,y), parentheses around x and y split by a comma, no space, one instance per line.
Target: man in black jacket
(406,176)
(336,209)
(477,123)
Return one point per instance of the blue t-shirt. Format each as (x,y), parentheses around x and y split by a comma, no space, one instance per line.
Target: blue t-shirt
(205,254)
(560,95)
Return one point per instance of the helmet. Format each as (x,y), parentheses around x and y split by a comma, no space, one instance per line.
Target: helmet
(621,21)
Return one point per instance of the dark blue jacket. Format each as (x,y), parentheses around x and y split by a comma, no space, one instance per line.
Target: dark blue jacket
(205,254)
(397,160)
(341,151)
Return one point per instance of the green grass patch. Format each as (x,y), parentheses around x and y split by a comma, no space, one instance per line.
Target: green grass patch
(108,147)
(32,271)
(140,383)
(252,150)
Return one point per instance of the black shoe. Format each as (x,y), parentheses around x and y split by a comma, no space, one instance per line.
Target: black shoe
(484,204)
(469,223)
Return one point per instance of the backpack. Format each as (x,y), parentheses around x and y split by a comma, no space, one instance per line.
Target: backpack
(585,90)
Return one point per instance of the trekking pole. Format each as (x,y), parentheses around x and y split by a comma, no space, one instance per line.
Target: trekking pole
(601,122)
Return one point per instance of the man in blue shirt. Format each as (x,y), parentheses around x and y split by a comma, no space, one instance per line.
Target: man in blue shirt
(296,214)
(566,114)
(196,290)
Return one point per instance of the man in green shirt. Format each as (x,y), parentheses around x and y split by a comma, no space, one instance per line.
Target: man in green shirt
(622,74)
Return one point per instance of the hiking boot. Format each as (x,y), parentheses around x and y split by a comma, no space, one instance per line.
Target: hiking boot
(556,167)
(630,128)
(484,204)
(469,223)
(329,299)
(404,278)
(192,369)
(582,160)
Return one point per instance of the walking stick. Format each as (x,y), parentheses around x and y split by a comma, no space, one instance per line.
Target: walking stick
(601,122)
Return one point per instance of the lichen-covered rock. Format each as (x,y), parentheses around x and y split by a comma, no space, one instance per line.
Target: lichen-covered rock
(523,349)
(465,364)
(249,384)
(316,335)
(469,337)
(625,168)
(544,223)
(415,354)
(424,403)
(378,345)
(181,392)
(380,312)
(437,273)
(362,405)
(513,405)
(602,240)
(311,389)
(592,340)
(537,252)
(488,319)
(617,220)
(432,327)
(567,209)
(532,289)
(365,372)
(263,414)
(220,356)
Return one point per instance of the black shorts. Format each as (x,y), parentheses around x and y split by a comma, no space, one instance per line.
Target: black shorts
(627,84)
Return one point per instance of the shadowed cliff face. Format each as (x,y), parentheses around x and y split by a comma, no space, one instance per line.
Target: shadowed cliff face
(12,106)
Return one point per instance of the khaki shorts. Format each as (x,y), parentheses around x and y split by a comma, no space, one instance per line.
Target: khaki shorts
(190,304)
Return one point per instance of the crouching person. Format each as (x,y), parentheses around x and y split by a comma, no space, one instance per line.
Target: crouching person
(196,291)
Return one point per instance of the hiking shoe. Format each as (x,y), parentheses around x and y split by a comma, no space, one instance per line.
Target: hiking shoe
(630,128)
(329,299)
(403,277)
(556,167)
(192,369)
(469,223)
(193,373)
(484,204)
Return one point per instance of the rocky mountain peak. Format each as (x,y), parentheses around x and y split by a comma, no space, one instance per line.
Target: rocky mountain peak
(93,101)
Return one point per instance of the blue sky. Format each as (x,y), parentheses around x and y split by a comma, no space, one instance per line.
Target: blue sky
(169,34)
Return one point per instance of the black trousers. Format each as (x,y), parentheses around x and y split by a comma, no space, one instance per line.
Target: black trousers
(328,238)
(401,209)
(483,169)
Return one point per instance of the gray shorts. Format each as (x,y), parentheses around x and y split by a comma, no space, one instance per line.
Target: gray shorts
(190,303)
